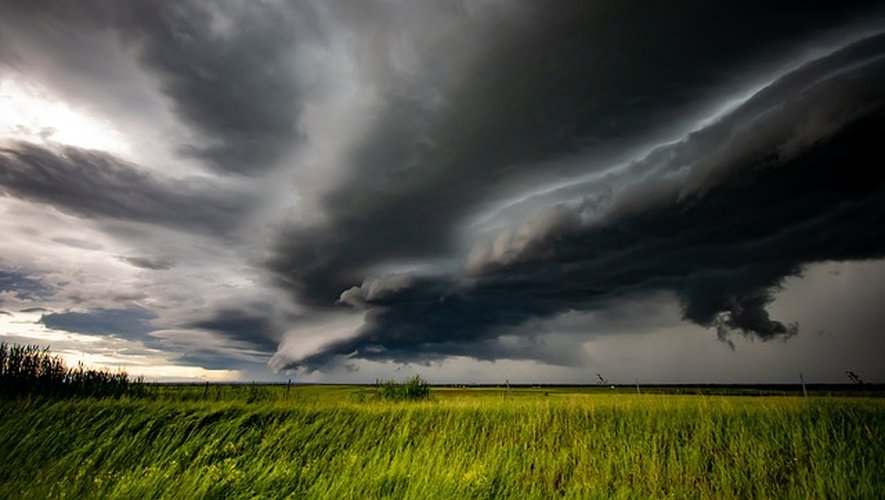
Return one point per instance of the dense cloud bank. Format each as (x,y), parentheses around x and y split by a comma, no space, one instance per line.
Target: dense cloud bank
(328,182)
(549,83)
(720,218)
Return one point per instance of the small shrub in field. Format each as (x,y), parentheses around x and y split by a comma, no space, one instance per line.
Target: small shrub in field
(413,389)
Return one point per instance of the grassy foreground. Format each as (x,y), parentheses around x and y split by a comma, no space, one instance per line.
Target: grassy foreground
(340,442)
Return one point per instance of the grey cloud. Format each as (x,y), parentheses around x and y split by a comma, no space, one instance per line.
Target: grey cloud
(212,360)
(243,326)
(447,110)
(95,184)
(800,109)
(724,251)
(78,243)
(153,264)
(23,286)
(553,82)
(554,340)
(133,322)
(208,349)
(227,69)
(373,288)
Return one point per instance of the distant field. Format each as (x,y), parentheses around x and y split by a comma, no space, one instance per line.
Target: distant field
(342,442)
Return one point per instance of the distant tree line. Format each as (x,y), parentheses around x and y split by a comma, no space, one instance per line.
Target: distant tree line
(32,371)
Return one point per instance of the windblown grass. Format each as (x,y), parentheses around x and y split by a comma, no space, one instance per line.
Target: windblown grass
(345,442)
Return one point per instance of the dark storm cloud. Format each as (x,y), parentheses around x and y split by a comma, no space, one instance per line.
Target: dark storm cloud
(234,83)
(408,126)
(246,327)
(553,80)
(95,184)
(131,323)
(756,200)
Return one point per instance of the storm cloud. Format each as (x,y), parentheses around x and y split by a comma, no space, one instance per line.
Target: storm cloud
(318,186)
(239,325)
(721,218)
(95,184)
(204,56)
(551,82)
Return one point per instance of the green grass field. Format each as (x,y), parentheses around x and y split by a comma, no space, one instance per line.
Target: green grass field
(342,442)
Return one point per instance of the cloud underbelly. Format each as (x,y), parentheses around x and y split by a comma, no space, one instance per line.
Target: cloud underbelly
(719,218)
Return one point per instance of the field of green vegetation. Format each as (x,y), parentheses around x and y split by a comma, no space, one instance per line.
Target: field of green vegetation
(346,442)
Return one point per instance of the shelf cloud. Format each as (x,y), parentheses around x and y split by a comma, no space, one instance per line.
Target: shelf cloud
(320,188)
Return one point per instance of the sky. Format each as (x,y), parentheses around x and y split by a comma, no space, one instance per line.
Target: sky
(472,191)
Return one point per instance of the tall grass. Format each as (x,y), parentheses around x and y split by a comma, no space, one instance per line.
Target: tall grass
(325,443)
(29,370)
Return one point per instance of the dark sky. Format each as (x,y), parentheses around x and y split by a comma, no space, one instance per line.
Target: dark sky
(469,190)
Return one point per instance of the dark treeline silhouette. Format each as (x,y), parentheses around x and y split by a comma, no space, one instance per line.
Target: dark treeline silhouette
(32,371)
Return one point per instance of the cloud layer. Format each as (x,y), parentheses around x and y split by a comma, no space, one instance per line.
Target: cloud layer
(338,185)
(720,217)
